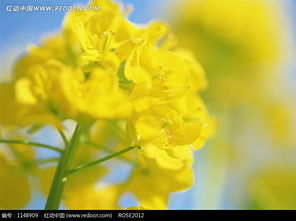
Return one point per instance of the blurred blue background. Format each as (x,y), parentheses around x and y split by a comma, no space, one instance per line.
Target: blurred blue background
(19,29)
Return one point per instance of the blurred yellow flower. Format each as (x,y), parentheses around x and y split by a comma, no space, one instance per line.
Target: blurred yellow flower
(242,45)
(230,41)
(92,198)
(274,188)
(152,185)
(14,187)
(15,190)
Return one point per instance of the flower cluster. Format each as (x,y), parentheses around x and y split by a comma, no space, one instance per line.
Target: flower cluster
(131,86)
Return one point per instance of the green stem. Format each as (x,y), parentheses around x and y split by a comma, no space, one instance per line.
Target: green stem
(64,137)
(107,150)
(58,183)
(32,144)
(87,165)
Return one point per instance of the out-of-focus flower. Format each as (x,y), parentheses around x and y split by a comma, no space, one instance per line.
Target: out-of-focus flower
(230,41)
(16,165)
(171,167)
(245,80)
(274,188)
(91,197)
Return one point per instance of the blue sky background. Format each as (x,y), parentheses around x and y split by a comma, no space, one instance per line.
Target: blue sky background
(20,29)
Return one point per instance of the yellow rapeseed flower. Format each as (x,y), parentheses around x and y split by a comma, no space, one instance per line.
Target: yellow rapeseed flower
(125,86)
